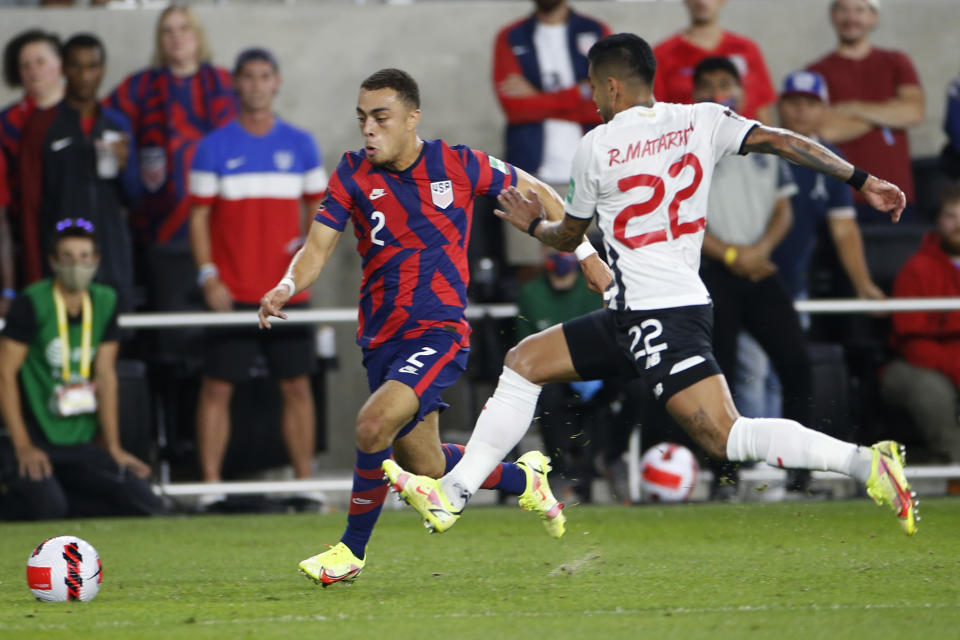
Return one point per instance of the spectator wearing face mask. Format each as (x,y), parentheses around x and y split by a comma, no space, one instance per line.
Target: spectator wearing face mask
(58,395)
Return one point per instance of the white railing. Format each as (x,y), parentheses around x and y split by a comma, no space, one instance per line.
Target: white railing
(173,320)
(349,314)
(179,319)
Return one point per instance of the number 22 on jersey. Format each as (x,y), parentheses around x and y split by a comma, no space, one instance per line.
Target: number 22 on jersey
(656,183)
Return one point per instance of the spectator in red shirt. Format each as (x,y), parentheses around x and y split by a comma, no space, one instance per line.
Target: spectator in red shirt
(678,55)
(31,60)
(924,381)
(875,96)
(540,76)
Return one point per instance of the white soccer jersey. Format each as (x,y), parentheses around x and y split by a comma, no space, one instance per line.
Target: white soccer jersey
(647,175)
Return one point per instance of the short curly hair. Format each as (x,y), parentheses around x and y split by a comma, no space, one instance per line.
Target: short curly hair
(11,53)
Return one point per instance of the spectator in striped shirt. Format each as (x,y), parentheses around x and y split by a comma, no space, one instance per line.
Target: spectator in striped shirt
(171,105)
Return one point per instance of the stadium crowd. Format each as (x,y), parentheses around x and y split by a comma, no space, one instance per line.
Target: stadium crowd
(196,195)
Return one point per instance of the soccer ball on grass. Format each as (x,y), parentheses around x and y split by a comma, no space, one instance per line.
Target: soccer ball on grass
(669,473)
(64,568)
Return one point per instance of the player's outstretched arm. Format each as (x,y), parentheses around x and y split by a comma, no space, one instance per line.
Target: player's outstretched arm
(880,194)
(304,268)
(596,272)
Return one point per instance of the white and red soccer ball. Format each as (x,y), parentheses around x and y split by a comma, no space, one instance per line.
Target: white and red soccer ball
(669,473)
(64,568)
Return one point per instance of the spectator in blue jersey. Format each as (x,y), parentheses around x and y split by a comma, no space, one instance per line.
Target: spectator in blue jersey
(819,200)
(77,159)
(410,202)
(950,158)
(254,184)
(179,99)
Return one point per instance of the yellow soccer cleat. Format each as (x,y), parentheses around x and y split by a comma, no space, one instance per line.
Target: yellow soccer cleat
(423,494)
(537,496)
(888,484)
(338,564)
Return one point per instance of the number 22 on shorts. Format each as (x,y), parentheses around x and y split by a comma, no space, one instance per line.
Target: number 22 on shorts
(652,328)
(647,207)
(415,362)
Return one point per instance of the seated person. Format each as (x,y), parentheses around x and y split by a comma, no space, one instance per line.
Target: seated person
(58,395)
(924,379)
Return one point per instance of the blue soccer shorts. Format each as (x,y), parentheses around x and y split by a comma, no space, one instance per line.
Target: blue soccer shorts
(428,364)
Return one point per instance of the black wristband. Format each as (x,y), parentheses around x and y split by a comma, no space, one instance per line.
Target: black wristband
(533,226)
(858,179)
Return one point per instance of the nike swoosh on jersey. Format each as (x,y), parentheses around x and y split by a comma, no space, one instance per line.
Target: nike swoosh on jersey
(377,193)
(60,144)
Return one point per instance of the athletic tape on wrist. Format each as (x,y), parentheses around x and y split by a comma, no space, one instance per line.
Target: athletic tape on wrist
(289,284)
(584,250)
(207,271)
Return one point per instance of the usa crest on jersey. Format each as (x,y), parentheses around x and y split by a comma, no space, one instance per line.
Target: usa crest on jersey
(441,192)
(283,160)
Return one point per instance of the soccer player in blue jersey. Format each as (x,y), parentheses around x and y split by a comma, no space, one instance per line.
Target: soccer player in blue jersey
(411,203)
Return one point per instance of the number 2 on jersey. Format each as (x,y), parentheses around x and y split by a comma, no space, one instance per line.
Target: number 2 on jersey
(647,207)
(381,220)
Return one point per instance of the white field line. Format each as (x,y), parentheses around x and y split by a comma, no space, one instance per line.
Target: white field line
(618,611)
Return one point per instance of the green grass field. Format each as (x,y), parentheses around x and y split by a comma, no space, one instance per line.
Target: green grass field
(788,570)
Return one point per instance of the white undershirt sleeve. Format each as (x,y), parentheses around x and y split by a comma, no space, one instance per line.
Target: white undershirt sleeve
(583,192)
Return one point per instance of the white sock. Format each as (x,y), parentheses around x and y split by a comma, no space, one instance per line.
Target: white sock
(503,421)
(790,445)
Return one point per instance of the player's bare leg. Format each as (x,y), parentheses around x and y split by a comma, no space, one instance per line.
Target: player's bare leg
(420,451)
(299,423)
(213,426)
(384,414)
(706,411)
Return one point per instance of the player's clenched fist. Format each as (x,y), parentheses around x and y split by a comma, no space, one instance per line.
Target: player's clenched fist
(271,304)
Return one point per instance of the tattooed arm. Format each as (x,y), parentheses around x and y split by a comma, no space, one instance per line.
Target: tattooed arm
(880,194)
(556,229)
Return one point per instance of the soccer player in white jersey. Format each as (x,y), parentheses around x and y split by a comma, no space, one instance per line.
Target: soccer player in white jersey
(646,173)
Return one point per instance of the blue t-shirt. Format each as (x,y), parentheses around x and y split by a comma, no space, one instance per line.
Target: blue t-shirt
(818,197)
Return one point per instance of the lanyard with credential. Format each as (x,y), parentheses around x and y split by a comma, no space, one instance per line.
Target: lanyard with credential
(86,335)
